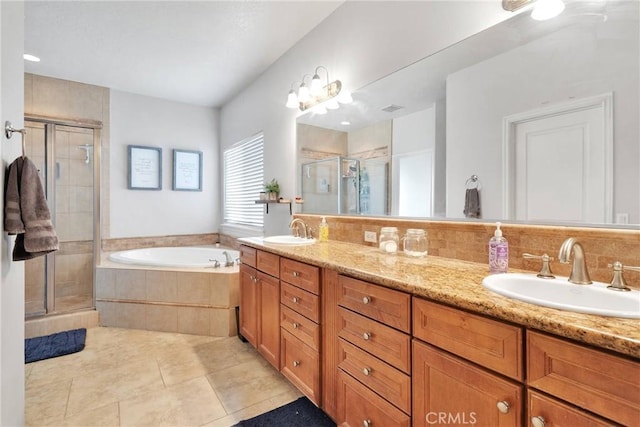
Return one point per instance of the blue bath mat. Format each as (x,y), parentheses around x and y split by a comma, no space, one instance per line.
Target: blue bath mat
(54,345)
(299,413)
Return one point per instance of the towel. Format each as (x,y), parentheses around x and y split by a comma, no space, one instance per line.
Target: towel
(27,213)
(472,203)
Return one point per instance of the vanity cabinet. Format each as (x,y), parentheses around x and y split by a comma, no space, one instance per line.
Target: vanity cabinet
(452,350)
(373,355)
(300,325)
(260,302)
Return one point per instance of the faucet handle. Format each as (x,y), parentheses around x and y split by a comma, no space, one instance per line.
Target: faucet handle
(617,282)
(545,270)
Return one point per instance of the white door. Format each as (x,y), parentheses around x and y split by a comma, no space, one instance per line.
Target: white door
(412,184)
(562,166)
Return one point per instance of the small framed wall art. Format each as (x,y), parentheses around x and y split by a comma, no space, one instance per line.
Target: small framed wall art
(187,170)
(144,171)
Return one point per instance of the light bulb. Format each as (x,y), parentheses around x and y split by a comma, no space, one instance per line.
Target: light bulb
(316,86)
(319,109)
(292,100)
(332,104)
(345,97)
(31,58)
(303,93)
(547,9)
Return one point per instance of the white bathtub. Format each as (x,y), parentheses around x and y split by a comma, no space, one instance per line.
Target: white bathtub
(181,257)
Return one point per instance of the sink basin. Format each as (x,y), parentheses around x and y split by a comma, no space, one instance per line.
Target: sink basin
(561,294)
(288,240)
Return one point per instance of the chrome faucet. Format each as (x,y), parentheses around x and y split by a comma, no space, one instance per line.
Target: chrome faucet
(579,274)
(230,262)
(297,224)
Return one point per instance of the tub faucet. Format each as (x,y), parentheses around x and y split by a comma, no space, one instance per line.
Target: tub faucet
(579,274)
(300,224)
(230,262)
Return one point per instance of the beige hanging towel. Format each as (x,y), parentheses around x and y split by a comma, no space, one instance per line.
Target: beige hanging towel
(27,213)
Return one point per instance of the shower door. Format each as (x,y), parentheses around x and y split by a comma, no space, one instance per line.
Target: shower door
(63,281)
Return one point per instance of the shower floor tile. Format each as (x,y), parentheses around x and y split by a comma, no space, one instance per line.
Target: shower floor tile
(131,377)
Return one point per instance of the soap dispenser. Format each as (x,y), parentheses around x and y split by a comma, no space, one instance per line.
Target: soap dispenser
(323,230)
(498,252)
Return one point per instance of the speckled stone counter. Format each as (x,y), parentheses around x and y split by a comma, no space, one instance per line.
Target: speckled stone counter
(459,283)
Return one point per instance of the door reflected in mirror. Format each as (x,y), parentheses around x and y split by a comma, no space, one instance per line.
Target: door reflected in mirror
(545,114)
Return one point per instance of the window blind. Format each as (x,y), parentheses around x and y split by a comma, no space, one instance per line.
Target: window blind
(243,182)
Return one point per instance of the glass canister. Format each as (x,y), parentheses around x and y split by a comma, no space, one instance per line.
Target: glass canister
(388,242)
(415,242)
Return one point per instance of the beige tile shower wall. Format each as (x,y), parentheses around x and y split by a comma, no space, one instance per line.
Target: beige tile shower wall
(469,241)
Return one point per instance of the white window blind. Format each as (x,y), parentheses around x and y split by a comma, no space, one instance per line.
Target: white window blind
(243,182)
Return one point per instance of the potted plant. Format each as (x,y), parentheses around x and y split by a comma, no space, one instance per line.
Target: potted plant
(273,189)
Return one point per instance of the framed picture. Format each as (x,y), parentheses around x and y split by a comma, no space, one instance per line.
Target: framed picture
(144,168)
(187,170)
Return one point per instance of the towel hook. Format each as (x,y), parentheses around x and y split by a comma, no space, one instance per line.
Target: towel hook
(472,180)
(9,130)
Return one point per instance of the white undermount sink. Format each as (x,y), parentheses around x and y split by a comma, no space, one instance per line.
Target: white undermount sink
(288,240)
(561,294)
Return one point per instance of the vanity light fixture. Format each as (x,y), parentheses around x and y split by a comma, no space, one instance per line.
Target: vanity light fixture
(318,97)
(31,58)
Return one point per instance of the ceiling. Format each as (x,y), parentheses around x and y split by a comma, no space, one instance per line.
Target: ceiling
(197,52)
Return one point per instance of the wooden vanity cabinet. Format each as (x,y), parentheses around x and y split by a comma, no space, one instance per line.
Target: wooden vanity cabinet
(260,302)
(300,325)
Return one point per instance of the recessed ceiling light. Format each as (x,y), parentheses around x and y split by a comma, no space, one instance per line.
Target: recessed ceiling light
(345,123)
(31,58)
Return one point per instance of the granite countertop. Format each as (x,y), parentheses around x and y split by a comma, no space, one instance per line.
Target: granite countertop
(459,283)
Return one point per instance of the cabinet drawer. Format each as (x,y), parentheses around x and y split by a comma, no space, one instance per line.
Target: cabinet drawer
(301,365)
(248,256)
(384,342)
(300,301)
(489,343)
(445,384)
(268,263)
(388,382)
(358,406)
(302,328)
(556,413)
(385,305)
(606,384)
(302,275)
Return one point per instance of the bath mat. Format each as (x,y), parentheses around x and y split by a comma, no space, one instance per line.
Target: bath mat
(54,345)
(298,413)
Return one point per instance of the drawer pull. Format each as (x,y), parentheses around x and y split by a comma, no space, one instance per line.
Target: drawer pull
(295,325)
(366,300)
(367,371)
(367,423)
(295,274)
(503,407)
(366,336)
(296,363)
(295,300)
(537,421)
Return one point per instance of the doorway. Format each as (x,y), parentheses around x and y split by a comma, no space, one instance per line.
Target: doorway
(67,155)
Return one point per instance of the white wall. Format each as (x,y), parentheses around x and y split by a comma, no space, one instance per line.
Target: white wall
(12,273)
(141,120)
(359,43)
(477,102)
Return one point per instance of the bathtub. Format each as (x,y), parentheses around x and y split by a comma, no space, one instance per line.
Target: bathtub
(180,257)
(169,289)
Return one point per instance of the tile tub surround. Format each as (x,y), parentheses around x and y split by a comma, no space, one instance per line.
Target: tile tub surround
(192,301)
(468,241)
(126,243)
(459,283)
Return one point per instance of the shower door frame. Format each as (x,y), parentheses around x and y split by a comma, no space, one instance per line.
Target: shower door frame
(50,124)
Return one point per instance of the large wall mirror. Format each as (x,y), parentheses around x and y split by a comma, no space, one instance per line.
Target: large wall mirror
(528,121)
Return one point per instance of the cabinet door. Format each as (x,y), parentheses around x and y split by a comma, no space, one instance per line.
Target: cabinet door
(551,412)
(269,325)
(249,304)
(448,390)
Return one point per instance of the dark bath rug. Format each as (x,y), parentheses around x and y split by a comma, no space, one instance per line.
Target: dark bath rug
(298,413)
(54,345)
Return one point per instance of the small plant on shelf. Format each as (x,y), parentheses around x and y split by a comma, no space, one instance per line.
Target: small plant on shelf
(273,189)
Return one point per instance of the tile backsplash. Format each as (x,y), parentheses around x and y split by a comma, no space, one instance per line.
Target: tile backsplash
(469,241)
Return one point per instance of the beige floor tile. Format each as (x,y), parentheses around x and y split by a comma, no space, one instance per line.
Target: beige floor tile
(106,416)
(191,403)
(46,402)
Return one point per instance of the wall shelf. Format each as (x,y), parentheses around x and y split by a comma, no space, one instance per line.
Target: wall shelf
(266,203)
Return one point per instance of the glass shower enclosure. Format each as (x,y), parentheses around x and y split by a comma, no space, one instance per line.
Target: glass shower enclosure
(331,185)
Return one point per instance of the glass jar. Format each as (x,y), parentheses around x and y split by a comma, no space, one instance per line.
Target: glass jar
(388,242)
(415,242)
